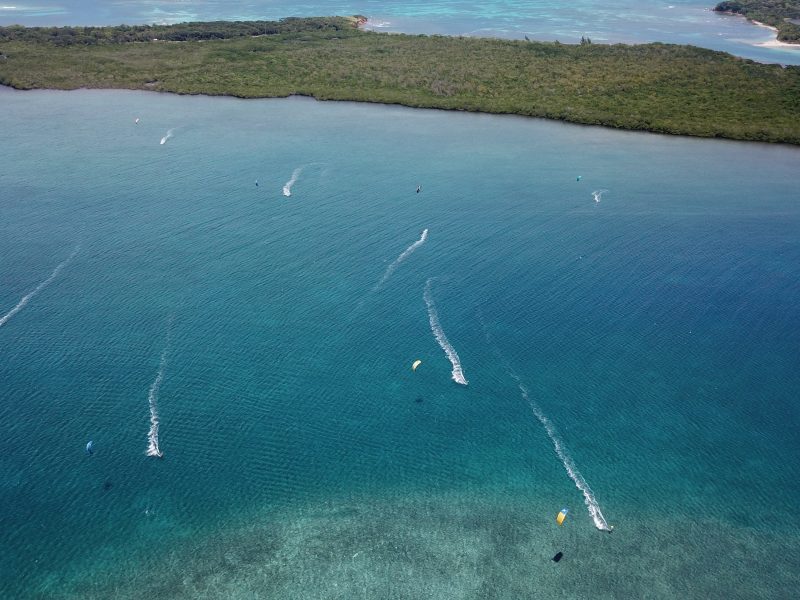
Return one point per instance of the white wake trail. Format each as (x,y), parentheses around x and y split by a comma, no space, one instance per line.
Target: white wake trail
(26,298)
(166,137)
(588,496)
(561,450)
(153,448)
(287,188)
(598,195)
(406,253)
(438,332)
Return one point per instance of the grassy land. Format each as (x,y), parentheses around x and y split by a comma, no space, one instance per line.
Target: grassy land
(778,13)
(654,87)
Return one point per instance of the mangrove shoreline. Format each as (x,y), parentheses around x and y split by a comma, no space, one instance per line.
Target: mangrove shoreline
(662,88)
(782,15)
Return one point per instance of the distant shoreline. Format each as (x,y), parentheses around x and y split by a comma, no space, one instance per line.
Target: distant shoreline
(776,43)
(767,13)
(661,88)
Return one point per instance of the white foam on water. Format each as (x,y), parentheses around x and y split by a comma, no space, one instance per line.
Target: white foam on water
(598,194)
(166,137)
(404,255)
(438,333)
(561,450)
(153,448)
(26,298)
(569,464)
(287,188)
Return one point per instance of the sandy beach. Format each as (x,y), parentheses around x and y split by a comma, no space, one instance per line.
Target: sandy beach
(774,43)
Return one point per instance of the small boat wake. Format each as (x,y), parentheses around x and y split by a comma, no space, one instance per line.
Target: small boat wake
(561,451)
(405,254)
(26,298)
(153,449)
(598,195)
(287,188)
(438,333)
(558,444)
(166,137)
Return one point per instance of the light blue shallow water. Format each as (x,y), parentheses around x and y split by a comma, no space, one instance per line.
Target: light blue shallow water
(657,330)
(627,21)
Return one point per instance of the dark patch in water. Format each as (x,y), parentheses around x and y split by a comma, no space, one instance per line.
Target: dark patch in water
(419,400)
(107,486)
(558,556)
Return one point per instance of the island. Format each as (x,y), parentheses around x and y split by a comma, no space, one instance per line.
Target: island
(664,88)
(782,15)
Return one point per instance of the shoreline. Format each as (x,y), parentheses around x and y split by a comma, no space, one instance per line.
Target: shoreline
(776,43)
(6,88)
(693,90)
(364,24)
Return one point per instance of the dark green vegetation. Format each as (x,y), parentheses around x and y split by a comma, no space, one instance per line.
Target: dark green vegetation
(214,30)
(654,87)
(778,13)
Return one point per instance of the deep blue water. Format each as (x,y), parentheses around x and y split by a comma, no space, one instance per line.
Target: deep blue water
(626,21)
(657,331)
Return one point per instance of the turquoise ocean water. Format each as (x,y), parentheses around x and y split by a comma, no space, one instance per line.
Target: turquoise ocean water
(627,21)
(634,333)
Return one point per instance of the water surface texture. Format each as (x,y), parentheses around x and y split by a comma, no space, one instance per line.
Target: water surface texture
(627,21)
(607,321)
